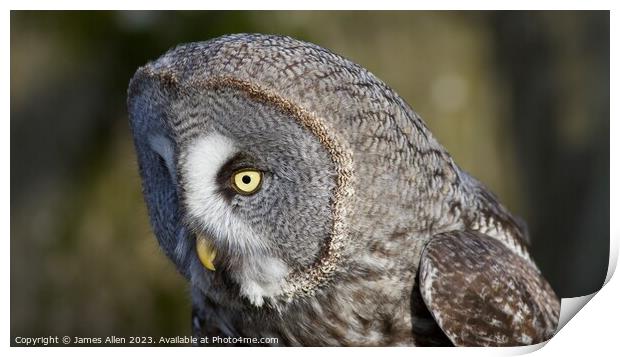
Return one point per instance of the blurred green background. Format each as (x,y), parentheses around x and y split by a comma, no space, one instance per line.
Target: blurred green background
(520,99)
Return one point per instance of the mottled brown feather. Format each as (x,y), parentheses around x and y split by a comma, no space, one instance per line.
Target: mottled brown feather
(482,294)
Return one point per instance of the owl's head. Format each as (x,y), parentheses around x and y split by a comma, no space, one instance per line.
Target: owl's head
(262,159)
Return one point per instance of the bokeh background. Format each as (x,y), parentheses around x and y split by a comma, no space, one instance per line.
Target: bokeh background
(520,99)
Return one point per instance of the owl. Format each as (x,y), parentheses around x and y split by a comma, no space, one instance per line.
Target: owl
(307,204)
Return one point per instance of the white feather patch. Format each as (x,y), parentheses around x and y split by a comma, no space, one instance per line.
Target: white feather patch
(205,205)
(260,275)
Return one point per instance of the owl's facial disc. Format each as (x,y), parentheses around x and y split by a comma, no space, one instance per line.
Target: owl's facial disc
(258,183)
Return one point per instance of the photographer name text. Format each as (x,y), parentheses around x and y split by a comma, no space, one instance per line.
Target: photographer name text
(141,340)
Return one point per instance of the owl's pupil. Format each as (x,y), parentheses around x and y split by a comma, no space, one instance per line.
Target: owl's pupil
(246,179)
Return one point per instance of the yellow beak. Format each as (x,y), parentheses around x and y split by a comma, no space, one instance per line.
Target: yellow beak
(206,252)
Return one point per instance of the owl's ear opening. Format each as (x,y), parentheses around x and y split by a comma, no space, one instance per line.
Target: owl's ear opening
(165,149)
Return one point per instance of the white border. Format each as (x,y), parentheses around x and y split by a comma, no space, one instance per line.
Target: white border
(592,330)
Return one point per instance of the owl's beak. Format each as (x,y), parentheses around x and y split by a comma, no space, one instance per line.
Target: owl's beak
(206,252)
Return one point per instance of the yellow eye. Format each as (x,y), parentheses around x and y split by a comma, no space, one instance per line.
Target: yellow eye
(247,181)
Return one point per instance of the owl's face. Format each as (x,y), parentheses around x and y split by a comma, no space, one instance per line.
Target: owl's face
(254,190)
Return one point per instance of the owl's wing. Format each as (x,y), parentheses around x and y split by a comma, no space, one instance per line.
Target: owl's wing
(482,294)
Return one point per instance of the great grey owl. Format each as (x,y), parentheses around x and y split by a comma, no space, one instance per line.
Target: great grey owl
(304,200)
